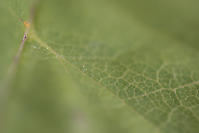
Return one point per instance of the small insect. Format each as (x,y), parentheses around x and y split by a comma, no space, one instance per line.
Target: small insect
(24,37)
(27,24)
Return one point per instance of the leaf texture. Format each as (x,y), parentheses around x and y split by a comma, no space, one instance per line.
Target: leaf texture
(142,55)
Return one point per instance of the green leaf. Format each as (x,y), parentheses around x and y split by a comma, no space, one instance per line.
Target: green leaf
(92,66)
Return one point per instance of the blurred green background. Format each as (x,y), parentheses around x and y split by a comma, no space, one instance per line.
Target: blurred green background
(100,66)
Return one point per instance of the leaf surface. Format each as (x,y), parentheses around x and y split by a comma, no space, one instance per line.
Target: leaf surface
(115,53)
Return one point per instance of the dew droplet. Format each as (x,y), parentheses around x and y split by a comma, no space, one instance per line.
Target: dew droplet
(34,47)
(84,68)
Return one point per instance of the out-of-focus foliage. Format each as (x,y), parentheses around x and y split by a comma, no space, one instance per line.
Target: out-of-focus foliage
(101,66)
